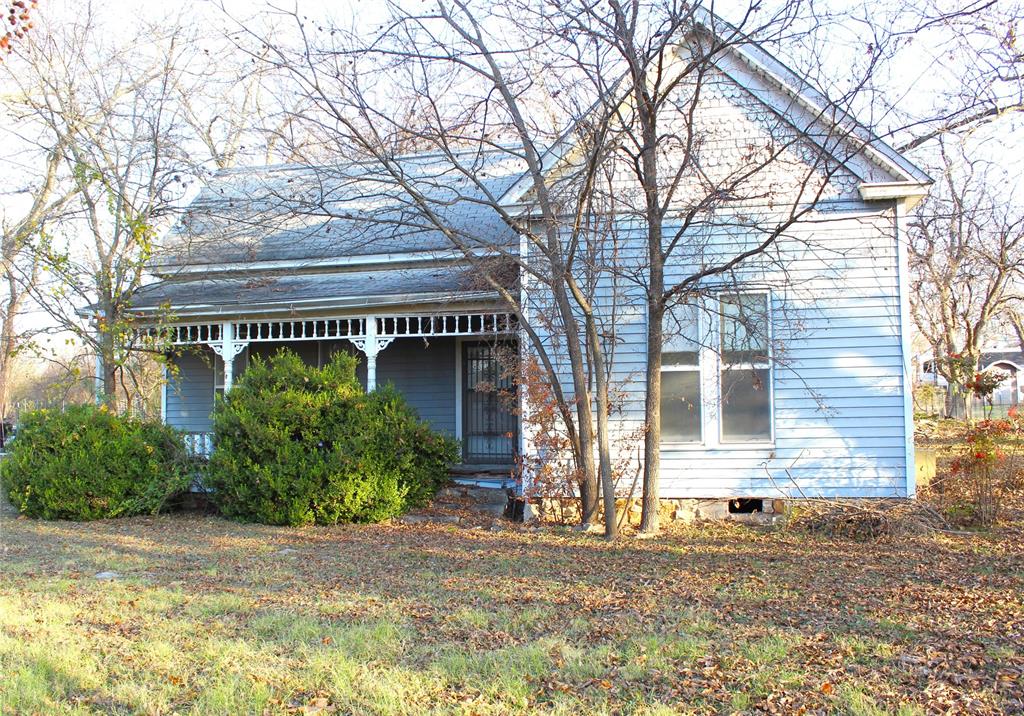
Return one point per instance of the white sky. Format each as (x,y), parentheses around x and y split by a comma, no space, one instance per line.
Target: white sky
(919,78)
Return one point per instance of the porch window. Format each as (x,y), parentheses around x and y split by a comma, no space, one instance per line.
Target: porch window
(745,376)
(680,376)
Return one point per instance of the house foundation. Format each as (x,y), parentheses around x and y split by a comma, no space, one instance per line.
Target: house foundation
(755,511)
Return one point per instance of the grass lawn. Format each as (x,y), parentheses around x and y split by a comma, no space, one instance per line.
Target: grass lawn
(211,617)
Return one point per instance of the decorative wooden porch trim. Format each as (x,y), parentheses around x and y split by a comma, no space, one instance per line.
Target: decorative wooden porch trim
(369,334)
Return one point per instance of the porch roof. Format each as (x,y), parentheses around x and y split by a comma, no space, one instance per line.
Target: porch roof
(291,292)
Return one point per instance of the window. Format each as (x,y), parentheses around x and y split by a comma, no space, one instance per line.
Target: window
(745,376)
(680,376)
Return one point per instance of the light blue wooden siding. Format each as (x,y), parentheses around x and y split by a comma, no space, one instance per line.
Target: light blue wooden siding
(190,393)
(425,375)
(838,379)
(838,374)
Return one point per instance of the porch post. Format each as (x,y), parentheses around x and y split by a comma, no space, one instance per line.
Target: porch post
(98,382)
(227,338)
(98,387)
(228,348)
(370,343)
(371,350)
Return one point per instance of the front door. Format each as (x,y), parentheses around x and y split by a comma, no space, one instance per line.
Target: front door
(490,430)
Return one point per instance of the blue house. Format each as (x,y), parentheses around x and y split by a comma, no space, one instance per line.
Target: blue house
(821,406)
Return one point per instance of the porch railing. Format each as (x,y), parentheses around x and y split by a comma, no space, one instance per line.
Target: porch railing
(199,444)
(316,329)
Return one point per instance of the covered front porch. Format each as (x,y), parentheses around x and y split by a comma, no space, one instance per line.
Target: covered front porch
(453,368)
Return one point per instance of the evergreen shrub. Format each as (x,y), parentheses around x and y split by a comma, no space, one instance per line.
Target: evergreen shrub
(298,445)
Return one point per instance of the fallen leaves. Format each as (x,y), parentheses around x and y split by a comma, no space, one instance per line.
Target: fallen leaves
(713,620)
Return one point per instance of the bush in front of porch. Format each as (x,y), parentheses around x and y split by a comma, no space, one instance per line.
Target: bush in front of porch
(301,445)
(86,463)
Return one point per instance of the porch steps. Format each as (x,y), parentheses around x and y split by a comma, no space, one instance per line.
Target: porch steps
(464,505)
(484,500)
(484,476)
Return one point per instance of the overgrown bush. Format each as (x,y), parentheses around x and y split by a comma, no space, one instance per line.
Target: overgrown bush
(300,445)
(986,470)
(86,463)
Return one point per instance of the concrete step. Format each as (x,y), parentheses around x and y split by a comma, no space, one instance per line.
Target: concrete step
(468,496)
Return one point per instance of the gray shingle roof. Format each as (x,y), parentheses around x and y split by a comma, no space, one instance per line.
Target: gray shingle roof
(284,291)
(301,212)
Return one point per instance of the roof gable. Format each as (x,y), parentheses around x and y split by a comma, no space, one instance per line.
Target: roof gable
(781,90)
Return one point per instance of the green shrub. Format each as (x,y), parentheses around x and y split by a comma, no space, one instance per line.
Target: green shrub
(299,445)
(86,463)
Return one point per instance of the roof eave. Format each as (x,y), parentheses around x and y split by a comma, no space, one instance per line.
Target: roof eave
(351,263)
(910,193)
(262,308)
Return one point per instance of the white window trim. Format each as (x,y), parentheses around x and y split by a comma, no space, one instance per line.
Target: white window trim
(709,365)
(701,443)
(769,364)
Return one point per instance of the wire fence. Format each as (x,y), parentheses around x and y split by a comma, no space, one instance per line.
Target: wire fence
(939,405)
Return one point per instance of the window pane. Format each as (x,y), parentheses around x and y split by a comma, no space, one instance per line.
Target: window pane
(680,406)
(680,358)
(746,405)
(681,335)
(745,328)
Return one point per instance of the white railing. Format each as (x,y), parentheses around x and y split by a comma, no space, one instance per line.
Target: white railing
(318,329)
(188,334)
(199,444)
(458,324)
(312,330)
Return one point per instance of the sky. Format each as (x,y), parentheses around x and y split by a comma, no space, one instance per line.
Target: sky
(919,79)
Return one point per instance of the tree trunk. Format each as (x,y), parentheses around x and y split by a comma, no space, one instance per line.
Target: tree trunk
(7,347)
(611,523)
(648,117)
(106,353)
(652,407)
(585,418)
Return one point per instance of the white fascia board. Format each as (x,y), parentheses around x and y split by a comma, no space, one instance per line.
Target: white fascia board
(335,262)
(908,192)
(345,302)
(512,199)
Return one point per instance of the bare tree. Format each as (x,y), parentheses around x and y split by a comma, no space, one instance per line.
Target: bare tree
(112,106)
(455,93)
(967,257)
(20,262)
(666,59)
(680,183)
(630,80)
(972,64)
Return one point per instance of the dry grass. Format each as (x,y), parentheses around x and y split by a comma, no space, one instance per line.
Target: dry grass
(211,617)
